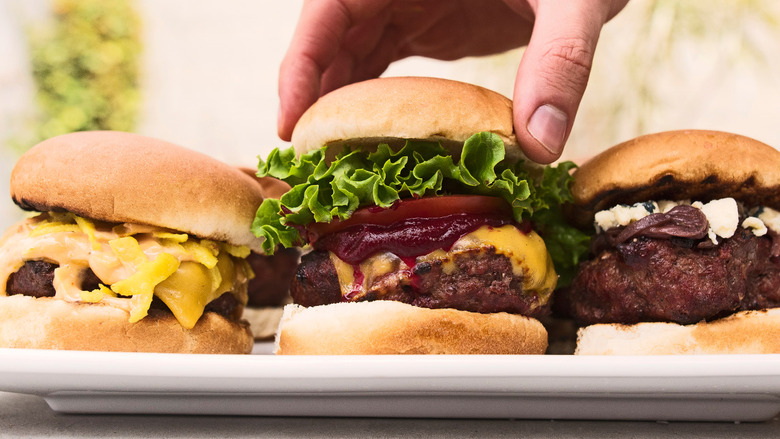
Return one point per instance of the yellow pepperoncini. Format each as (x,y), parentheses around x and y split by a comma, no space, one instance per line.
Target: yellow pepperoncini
(140,285)
(88,227)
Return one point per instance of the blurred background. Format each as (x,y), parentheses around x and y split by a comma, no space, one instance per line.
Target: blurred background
(203,74)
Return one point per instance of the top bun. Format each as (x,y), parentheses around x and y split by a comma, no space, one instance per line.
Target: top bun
(121,177)
(391,110)
(677,165)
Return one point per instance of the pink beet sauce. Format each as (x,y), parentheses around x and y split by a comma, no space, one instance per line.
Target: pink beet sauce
(406,239)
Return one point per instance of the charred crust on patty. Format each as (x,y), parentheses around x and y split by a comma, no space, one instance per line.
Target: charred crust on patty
(480,281)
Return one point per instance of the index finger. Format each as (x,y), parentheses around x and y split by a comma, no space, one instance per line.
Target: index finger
(318,37)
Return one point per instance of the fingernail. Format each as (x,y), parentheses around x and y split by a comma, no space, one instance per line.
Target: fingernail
(548,126)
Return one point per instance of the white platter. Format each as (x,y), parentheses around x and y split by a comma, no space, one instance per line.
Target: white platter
(712,388)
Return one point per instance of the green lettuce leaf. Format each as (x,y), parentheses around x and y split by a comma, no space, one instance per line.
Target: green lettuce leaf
(567,245)
(323,191)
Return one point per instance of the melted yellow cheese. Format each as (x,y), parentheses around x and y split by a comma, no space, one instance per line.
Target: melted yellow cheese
(345,273)
(527,253)
(135,261)
(371,269)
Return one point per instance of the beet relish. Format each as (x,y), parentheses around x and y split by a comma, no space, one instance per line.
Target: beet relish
(409,238)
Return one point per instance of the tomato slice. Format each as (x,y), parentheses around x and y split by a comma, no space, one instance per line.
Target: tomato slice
(428,207)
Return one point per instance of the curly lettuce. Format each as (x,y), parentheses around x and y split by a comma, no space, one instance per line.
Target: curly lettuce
(323,191)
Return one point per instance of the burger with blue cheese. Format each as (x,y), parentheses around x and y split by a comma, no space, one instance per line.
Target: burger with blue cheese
(686,252)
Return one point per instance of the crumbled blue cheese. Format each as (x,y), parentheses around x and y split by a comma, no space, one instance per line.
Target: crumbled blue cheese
(623,214)
(722,216)
(665,206)
(756,225)
(770,217)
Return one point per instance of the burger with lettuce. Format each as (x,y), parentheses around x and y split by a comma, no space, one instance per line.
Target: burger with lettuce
(428,230)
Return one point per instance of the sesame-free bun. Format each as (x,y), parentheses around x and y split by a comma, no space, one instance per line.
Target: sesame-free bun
(690,164)
(122,177)
(746,332)
(49,323)
(388,327)
(391,110)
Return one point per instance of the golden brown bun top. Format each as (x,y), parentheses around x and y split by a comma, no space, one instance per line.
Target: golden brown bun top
(385,110)
(121,177)
(676,165)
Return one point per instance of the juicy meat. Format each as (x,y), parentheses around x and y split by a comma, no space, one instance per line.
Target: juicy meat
(34,279)
(316,282)
(481,281)
(273,274)
(227,306)
(649,279)
(89,280)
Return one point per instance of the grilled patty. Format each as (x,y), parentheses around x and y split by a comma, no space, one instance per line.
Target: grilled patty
(273,274)
(668,280)
(35,279)
(481,281)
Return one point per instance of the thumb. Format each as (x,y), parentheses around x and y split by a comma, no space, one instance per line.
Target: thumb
(553,75)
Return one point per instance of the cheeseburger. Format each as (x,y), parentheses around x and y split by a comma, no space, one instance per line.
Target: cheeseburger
(138,245)
(421,217)
(686,256)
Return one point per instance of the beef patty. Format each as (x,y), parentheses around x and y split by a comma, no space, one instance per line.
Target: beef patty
(35,278)
(273,274)
(649,279)
(481,280)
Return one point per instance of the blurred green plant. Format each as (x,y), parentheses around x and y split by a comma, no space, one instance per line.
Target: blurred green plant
(85,67)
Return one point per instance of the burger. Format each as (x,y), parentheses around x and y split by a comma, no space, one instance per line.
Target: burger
(136,245)
(269,290)
(685,258)
(424,225)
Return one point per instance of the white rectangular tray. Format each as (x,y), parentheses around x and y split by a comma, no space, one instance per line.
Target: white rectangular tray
(711,388)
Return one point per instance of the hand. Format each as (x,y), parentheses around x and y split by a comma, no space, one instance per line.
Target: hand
(337,42)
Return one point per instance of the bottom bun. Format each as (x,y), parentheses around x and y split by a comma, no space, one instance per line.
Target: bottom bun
(746,332)
(387,327)
(263,321)
(47,323)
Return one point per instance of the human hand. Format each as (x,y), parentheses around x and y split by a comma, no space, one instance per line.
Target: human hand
(337,42)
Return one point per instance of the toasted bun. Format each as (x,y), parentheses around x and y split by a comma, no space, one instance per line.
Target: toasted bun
(746,332)
(48,323)
(387,327)
(691,164)
(122,177)
(390,110)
